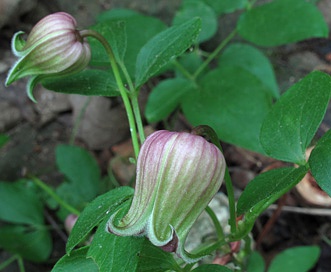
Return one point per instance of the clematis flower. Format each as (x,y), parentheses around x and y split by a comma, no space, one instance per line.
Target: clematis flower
(53,48)
(177,176)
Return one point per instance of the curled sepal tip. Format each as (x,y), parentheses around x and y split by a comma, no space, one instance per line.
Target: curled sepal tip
(18,44)
(33,81)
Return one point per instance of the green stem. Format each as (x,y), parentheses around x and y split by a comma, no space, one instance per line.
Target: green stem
(232,201)
(215,53)
(136,111)
(111,175)
(127,77)
(218,227)
(7,262)
(20,264)
(183,70)
(122,89)
(134,101)
(51,192)
(213,247)
(231,198)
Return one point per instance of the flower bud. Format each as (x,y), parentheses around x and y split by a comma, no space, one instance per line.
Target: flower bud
(54,47)
(177,176)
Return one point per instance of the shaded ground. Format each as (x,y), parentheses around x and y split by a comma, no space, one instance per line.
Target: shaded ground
(35,130)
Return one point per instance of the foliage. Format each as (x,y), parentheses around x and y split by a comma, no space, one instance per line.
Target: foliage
(296,259)
(24,231)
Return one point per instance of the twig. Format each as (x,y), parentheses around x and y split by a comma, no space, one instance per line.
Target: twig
(56,227)
(303,210)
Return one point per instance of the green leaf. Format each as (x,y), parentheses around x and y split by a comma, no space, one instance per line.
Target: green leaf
(83,174)
(76,262)
(154,259)
(297,259)
(88,82)
(3,139)
(165,97)
(81,168)
(115,253)
(191,9)
(281,22)
(30,243)
(252,60)
(211,268)
(95,212)
(255,263)
(292,122)
(147,27)
(233,102)
(168,44)
(320,162)
(268,187)
(20,204)
(226,6)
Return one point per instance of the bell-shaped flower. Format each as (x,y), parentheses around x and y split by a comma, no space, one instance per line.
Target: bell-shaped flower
(53,48)
(177,176)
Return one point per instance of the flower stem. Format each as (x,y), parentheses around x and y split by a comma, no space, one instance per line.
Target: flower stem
(122,89)
(136,111)
(215,53)
(134,101)
(218,227)
(20,264)
(51,192)
(231,198)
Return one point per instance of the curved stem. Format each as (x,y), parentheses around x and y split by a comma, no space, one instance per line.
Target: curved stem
(122,89)
(136,111)
(218,227)
(51,192)
(215,53)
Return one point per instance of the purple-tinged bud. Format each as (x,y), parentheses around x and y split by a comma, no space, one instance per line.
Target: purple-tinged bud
(177,176)
(53,48)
